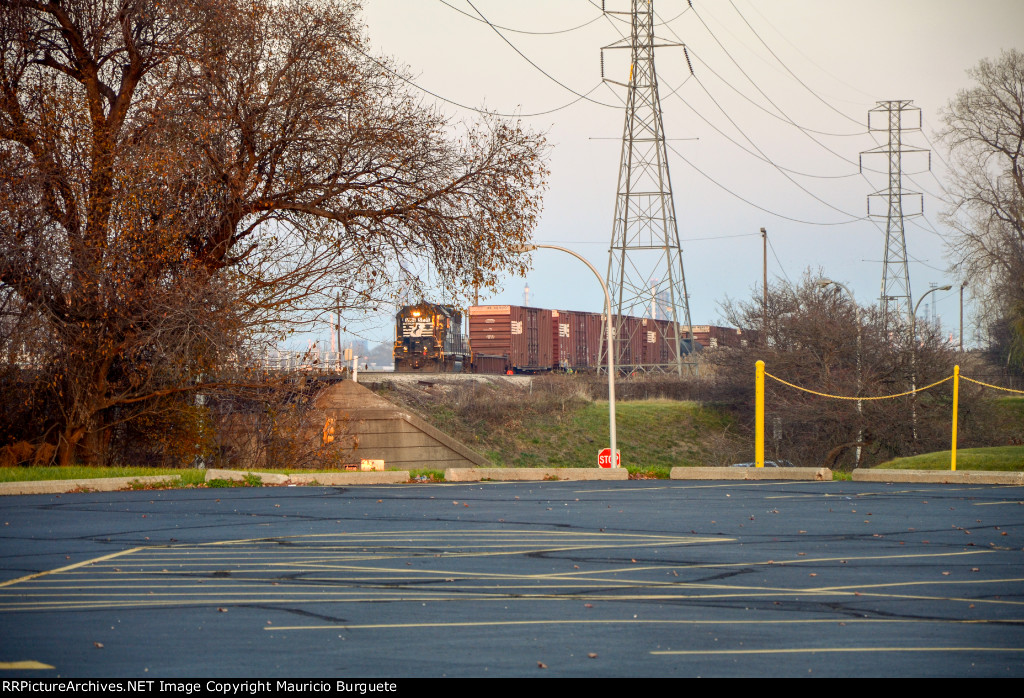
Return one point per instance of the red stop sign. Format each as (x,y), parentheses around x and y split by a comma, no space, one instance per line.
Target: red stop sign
(604,459)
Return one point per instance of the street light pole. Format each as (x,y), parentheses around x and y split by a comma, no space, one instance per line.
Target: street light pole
(824,283)
(611,354)
(913,356)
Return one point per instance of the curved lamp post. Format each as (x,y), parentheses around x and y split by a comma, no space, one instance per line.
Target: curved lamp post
(825,283)
(913,355)
(611,353)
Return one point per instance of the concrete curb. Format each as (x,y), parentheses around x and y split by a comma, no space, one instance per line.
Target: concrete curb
(103,484)
(389,477)
(370,477)
(708,473)
(531,474)
(950,477)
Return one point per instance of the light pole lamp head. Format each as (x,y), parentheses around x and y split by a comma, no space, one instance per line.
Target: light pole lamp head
(825,283)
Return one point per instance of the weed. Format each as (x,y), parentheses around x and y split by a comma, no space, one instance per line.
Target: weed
(219,482)
(426,475)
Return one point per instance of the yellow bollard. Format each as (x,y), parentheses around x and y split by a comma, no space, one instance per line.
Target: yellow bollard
(759,416)
(956,399)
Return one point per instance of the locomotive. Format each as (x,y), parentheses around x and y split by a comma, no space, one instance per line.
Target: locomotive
(428,338)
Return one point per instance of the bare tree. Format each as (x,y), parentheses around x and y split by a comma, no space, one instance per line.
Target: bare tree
(984,131)
(177,175)
(809,336)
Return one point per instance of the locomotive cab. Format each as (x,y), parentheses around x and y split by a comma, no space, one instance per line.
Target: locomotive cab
(428,338)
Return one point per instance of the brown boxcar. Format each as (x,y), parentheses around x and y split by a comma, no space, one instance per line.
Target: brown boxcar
(712,336)
(576,337)
(523,336)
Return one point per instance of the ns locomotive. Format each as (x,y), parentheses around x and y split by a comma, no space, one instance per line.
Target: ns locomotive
(428,338)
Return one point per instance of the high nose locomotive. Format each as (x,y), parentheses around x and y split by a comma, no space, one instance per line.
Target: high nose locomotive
(428,338)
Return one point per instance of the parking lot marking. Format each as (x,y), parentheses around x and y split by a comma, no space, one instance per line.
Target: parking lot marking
(831,650)
(67,568)
(22,665)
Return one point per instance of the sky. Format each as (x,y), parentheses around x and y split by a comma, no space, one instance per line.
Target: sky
(766,131)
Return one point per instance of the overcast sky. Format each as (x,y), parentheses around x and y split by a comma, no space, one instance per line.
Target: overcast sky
(740,163)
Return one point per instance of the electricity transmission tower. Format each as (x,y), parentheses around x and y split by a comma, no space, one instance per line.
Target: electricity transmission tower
(896,302)
(645,262)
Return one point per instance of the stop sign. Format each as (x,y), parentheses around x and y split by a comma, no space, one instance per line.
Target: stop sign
(604,459)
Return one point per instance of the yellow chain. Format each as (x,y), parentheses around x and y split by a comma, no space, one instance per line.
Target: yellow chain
(846,397)
(988,385)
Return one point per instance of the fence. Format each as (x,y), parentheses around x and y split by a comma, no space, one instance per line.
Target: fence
(760,374)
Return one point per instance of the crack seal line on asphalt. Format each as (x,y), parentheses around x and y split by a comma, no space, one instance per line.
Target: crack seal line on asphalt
(420,534)
(740,483)
(625,621)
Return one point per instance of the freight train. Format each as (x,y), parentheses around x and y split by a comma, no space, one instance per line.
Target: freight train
(518,339)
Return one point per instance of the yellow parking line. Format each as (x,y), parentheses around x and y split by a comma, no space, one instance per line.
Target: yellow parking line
(11,582)
(26,664)
(824,650)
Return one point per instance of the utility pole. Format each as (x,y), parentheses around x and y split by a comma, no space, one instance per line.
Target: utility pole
(895,301)
(764,279)
(645,259)
(962,287)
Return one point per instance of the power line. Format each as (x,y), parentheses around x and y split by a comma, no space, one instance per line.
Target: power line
(761,157)
(810,60)
(516,115)
(521,31)
(657,24)
(775,56)
(777,261)
(769,161)
(738,196)
(806,131)
(747,201)
(702,239)
(537,67)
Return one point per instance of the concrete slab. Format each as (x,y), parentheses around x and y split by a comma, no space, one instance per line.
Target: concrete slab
(371,477)
(106,484)
(709,473)
(525,474)
(240,475)
(963,477)
(382,430)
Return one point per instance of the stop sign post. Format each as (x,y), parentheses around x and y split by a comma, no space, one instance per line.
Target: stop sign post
(604,459)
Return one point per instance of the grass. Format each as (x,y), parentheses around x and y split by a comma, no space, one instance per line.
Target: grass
(652,434)
(183,477)
(557,423)
(657,472)
(1010,458)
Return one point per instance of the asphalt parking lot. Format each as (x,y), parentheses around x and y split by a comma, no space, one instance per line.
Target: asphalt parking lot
(637,578)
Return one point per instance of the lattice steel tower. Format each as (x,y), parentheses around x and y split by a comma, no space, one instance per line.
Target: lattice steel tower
(645,262)
(896,301)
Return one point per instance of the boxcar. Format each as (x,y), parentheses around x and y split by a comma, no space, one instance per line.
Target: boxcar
(510,338)
(576,339)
